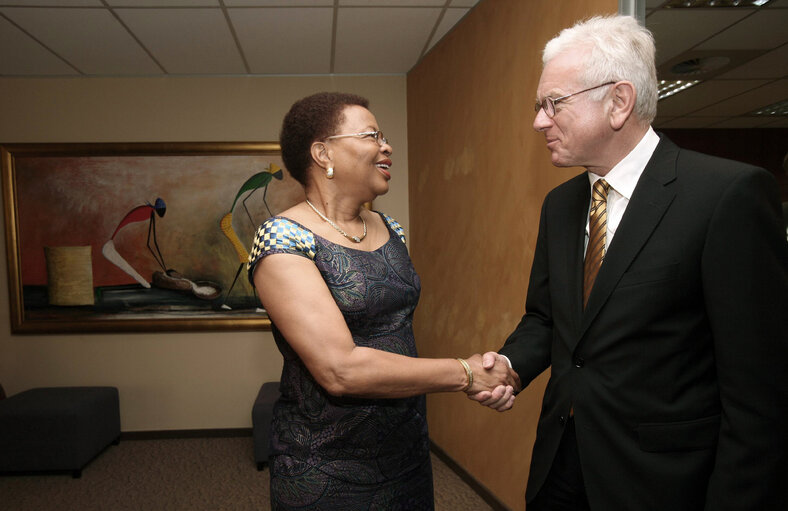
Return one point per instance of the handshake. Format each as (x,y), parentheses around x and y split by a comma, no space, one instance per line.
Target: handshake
(494,383)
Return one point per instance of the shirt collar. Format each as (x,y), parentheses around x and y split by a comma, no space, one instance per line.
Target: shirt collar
(624,176)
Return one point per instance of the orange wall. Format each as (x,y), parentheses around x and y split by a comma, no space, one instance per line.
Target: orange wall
(477,177)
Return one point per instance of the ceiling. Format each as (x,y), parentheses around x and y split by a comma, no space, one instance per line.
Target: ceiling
(220,37)
(755,40)
(56,38)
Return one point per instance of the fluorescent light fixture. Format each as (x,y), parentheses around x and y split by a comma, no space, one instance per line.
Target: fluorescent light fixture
(779,109)
(683,4)
(667,88)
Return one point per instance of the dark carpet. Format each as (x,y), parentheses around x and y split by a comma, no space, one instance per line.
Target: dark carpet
(194,474)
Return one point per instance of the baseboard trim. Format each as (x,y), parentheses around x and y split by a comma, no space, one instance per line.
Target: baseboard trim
(471,481)
(185,433)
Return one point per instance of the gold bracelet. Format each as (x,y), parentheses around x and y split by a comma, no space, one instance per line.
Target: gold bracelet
(468,373)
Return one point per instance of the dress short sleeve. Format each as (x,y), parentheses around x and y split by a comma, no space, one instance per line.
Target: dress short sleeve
(394,226)
(279,235)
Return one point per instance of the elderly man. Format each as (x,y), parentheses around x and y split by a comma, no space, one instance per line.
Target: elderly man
(658,296)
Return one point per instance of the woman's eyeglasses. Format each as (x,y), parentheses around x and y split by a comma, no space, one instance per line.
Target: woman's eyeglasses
(376,135)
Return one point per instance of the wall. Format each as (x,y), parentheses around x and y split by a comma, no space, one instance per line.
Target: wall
(170,381)
(767,148)
(478,176)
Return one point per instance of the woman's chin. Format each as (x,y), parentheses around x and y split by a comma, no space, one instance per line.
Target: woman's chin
(382,191)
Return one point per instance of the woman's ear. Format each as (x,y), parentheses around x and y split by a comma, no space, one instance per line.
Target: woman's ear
(321,154)
(624,96)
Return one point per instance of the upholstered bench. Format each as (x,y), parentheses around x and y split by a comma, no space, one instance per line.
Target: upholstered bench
(57,428)
(262,411)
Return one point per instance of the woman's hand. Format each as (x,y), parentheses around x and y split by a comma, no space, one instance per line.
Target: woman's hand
(494,382)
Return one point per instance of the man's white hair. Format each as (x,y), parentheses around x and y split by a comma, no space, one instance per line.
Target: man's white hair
(619,48)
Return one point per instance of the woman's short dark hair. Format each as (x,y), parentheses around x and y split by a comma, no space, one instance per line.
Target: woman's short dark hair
(312,118)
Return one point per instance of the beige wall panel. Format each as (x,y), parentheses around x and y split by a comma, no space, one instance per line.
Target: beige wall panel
(478,176)
(170,381)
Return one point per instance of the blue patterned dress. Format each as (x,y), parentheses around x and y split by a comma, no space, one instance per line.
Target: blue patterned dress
(330,453)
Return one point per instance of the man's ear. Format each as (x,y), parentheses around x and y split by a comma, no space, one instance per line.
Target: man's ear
(624,96)
(321,154)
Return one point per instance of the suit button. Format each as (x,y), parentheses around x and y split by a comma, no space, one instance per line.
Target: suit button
(562,420)
(579,362)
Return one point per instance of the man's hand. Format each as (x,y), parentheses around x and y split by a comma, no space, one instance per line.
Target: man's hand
(495,383)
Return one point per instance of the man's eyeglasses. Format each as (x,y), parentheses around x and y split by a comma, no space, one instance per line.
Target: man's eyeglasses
(376,135)
(548,104)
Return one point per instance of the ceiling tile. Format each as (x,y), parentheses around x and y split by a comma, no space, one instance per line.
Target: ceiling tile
(704,64)
(703,95)
(763,30)
(464,3)
(20,55)
(750,100)
(378,40)
(777,3)
(690,122)
(91,40)
(660,120)
(743,122)
(450,18)
(163,3)
(279,3)
(58,3)
(392,3)
(773,64)
(285,41)
(186,41)
(678,30)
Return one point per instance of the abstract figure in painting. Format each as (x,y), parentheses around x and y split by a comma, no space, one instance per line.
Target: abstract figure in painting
(142,213)
(251,185)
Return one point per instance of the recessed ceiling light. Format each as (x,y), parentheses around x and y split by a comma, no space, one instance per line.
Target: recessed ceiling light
(779,109)
(683,4)
(667,88)
(700,65)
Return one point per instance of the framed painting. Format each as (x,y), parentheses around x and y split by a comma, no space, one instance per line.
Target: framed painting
(137,237)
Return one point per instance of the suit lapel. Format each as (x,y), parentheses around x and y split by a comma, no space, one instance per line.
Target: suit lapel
(575,247)
(567,250)
(650,199)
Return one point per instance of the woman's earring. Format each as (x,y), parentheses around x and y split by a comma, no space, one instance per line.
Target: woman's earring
(330,173)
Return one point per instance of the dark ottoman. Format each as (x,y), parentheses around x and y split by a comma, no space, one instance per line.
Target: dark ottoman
(262,411)
(57,428)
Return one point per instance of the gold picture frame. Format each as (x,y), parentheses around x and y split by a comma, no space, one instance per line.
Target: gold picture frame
(153,233)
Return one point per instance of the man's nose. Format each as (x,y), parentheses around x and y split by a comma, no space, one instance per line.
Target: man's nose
(542,121)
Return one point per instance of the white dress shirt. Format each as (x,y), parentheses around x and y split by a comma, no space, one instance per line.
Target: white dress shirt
(622,180)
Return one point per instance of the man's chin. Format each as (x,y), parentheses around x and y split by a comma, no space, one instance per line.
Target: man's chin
(557,161)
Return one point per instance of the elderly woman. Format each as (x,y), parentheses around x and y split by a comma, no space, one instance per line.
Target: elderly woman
(350,430)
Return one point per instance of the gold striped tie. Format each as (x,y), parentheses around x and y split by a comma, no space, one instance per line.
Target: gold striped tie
(597,230)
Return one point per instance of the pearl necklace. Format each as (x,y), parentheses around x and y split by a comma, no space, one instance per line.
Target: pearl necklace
(354,239)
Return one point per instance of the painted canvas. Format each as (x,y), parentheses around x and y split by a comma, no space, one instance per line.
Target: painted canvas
(138,236)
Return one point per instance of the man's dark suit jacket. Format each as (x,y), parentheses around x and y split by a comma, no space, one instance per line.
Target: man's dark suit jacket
(677,370)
